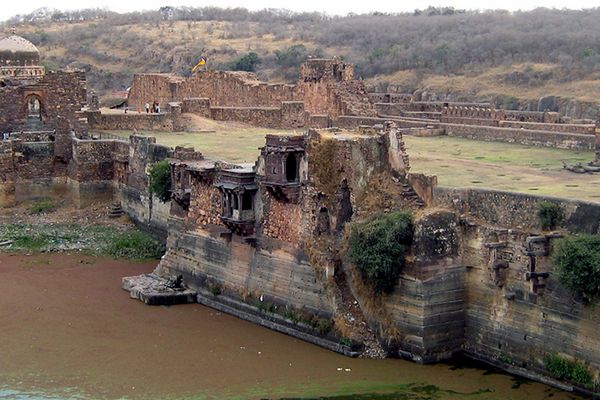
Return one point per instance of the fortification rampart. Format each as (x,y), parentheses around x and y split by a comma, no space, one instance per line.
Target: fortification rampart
(325,87)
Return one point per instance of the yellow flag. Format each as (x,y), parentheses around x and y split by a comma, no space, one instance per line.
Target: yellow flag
(201,63)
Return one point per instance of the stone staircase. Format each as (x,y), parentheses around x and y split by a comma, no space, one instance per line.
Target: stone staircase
(115,210)
(410,196)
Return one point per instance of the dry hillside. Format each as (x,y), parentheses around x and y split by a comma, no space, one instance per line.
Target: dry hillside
(513,59)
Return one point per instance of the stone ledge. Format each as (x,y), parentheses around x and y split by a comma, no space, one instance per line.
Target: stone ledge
(274,322)
(153,290)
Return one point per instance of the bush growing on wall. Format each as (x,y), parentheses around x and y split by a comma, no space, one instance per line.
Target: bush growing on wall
(377,247)
(572,371)
(160,180)
(550,214)
(578,261)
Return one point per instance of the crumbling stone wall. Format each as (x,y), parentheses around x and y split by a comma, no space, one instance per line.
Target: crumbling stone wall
(224,88)
(396,110)
(263,117)
(205,205)
(136,199)
(33,160)
(197,105)
(390,97)
(289,114)
(478,116)
(587,129)
(282,221)
(166,121)
(325,87)
(92,160)
(533,116)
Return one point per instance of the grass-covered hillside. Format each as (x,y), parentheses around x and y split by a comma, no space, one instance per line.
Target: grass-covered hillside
(511,58)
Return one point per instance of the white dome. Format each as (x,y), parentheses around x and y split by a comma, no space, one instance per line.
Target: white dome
(17,44)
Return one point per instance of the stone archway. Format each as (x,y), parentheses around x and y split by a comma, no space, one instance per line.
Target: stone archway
(33,111)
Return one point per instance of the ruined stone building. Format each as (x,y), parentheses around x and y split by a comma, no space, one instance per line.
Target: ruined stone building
(266,241)
(31,98)
(326,90)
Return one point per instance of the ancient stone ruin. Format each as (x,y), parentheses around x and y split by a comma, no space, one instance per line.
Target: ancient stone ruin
(266,241)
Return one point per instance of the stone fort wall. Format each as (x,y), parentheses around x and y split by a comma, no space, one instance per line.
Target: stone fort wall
(513,316)
(477,284)
(325,86)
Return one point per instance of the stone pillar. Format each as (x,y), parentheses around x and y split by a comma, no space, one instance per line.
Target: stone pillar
(94,103)
(63,141)
(176,120)
(7,174)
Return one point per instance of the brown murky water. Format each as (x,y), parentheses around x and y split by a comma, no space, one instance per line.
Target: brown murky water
(67,329)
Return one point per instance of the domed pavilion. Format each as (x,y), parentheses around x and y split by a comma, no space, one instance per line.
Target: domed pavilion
(19,58)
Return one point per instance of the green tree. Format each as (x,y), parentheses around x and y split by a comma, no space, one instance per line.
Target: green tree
(578,261)
(249,62)
(160,180)
(377,247)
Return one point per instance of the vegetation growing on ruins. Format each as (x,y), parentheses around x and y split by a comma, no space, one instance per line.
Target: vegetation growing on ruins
(160,180)
(378,246)
(570,370)
(550,214)
(578,261)
(95,239)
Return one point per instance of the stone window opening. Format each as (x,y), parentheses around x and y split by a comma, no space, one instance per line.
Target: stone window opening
(291,168)
(247,201)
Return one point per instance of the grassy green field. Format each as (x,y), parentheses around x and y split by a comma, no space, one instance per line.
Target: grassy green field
(503,166)
(457,162)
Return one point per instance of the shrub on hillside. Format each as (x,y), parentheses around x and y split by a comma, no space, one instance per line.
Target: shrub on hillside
(578,261)
(248,63)
(160,180)
(378,246)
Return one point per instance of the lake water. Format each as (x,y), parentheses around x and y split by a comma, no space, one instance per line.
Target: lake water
(67,331)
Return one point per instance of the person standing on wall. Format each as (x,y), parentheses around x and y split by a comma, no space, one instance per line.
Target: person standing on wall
(147,106)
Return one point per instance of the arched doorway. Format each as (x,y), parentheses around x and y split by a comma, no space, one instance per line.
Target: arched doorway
(34,112)
(34,108)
